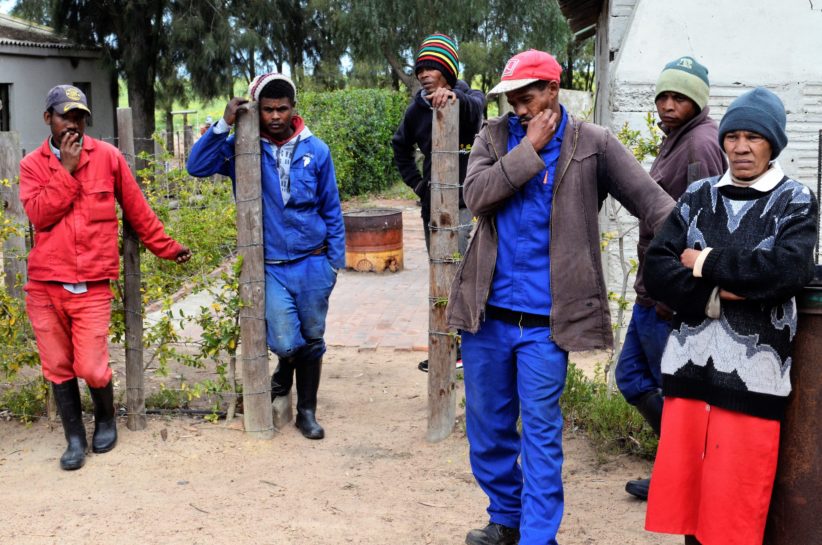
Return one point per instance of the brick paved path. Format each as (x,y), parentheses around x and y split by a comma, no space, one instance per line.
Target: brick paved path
(388,310)
(367,310)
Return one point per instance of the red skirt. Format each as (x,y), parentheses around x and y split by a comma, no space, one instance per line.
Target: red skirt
(713,475)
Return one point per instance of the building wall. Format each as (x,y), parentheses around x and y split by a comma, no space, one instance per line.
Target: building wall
(744,43)
(33,71)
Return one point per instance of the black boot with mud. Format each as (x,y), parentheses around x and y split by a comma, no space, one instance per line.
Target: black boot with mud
(67,396)
(105,421)
(493,534)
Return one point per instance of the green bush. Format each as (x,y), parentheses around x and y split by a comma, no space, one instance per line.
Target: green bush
(608,420)
(357,125)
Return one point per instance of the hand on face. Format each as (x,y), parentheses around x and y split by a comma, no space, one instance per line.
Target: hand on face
(541,128)
(70,148)
(440,97)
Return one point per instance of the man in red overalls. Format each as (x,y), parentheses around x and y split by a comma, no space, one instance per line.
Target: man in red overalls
(68,187)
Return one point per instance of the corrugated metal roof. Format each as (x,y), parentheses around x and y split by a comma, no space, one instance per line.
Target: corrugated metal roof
(18,32)
(581,14)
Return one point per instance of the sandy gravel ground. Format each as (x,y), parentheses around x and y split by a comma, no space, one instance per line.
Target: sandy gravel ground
(373,480)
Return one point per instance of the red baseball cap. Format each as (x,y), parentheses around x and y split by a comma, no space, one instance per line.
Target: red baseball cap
(525,68)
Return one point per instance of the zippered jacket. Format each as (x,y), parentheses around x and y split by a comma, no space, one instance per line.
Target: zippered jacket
(415,129)
(312,217)
(687,154)
(76,234)
(592,164)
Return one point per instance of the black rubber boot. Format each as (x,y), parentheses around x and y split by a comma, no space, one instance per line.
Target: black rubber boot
(283,378)
(67,396)
(105,421)
(650,407)
(308,382)
(493,534)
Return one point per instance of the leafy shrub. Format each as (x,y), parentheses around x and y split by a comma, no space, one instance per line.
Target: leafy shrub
(357,125)
(26,402)
(17,345)
(608,420)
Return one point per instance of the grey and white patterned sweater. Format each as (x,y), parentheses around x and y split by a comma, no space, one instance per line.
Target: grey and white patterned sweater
(762,249)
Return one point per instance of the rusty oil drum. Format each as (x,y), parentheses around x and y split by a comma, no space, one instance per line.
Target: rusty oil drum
(373,240)
(795,517)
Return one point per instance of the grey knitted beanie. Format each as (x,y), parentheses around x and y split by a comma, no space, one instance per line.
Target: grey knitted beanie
(758,111)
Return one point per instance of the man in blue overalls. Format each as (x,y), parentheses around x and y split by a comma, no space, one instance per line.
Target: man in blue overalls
(303,233)
(530,289)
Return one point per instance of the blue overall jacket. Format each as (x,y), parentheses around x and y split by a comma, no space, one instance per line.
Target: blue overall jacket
(312,217)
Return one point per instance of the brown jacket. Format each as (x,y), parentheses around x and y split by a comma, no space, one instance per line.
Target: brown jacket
(686,155)
(592,164)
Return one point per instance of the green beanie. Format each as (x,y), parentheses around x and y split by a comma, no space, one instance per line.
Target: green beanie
(686,77)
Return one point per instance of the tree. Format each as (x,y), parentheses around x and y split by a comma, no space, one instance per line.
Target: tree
(151,41)
(36,11)
(488,32)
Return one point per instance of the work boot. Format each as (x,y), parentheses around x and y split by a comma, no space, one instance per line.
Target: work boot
(638,488)
(105,421)
(308,382)
(283,377)
(67,397)
(493,534)
(650,407)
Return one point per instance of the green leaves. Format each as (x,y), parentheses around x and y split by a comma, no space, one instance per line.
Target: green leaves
(357,125)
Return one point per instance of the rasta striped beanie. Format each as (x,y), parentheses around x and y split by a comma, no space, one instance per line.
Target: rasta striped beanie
(439,51)
(687,77)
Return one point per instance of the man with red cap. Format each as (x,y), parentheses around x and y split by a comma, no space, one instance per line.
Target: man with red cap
(69,187)
(531,288)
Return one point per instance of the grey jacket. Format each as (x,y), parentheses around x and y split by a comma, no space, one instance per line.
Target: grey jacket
(592,164)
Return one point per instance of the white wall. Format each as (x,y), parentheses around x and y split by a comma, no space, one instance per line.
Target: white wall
(744,44)
(32,75)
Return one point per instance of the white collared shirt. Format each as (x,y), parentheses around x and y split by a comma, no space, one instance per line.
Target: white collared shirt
(764,183)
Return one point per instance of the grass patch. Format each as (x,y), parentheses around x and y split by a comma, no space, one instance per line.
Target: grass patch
(608,420)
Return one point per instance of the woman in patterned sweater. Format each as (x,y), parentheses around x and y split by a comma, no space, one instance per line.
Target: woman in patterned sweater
(729,261)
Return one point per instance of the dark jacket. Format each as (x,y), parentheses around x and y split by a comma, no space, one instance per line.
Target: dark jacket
(592,164)
(415,129)
(687,154)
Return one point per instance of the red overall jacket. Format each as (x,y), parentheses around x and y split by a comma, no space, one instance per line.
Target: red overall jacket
(74,217)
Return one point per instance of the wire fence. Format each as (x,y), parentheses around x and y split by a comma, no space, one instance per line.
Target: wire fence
(200,214)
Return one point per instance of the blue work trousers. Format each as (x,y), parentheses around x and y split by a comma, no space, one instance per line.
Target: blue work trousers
(638,369)
(296,304)
(513,371)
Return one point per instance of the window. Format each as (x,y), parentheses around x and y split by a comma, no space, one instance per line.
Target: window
(85,86)
(5,107)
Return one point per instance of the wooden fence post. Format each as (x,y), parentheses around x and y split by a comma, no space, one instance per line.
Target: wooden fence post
(14,247)
(132,298)
(257,416)
(443,264)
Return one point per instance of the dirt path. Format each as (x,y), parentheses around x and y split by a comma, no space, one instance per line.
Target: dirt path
(373,480)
